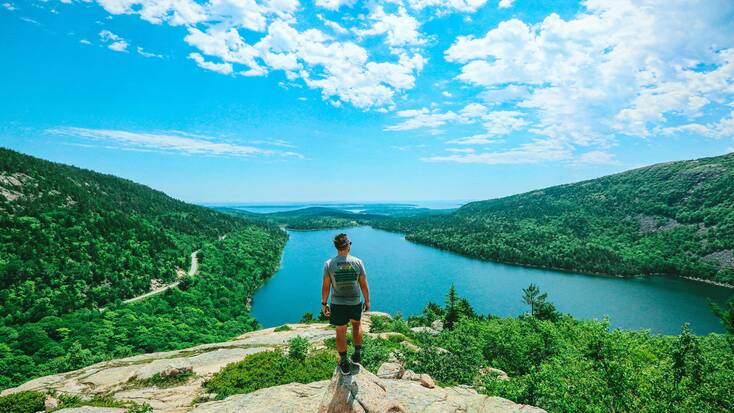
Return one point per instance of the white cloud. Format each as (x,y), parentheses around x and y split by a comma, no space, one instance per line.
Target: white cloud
(116,42)
(723,128)
(334,4)
(500,122)
(143,53)
(505,4)
(446,94)
(85,41)
(9,6)
(466,6)
(400,28)
(422,118)
(479,139)
(624,67)
(539,150)
(336,27)
(174,12)
(120,46)
(596,158)
(223,68)
(176,143)
(342,70)
(225,44)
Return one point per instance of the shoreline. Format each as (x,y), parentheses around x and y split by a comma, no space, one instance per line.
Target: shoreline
(712,282)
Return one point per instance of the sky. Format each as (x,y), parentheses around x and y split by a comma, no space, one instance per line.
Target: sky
(215,101)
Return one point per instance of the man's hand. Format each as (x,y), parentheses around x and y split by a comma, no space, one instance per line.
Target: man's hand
(325,309)
(366,306)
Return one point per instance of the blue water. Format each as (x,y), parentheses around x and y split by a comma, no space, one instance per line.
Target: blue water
(404,276)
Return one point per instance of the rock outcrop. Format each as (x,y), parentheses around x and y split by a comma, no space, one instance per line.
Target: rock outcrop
(129,380)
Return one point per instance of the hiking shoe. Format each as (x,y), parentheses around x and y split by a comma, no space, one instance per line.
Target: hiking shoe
(344,367)
(356,358)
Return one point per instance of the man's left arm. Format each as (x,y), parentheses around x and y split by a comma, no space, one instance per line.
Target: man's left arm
(365,289)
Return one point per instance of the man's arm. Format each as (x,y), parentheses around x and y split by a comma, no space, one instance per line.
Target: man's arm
(365,290)
(325,288)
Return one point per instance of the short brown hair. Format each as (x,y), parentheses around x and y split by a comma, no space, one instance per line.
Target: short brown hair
(341,242)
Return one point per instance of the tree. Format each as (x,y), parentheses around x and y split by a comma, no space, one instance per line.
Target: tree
(539,307)
(307,317)
(451,315)
(533,297)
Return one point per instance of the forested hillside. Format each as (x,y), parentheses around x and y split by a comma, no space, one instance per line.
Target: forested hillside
(673,218)
(73,238)
(73,241)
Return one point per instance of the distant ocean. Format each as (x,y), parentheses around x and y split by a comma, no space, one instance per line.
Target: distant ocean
(265,208)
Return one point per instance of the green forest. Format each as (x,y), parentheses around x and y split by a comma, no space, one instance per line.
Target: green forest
(74,241)
(673,218)
(567,365)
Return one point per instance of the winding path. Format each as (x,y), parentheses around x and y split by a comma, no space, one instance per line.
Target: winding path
(192,272)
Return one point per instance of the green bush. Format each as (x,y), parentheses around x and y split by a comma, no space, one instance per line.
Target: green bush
(270,368)
(379,324)
(284,327)
(22,402)
(376,351)
(298,348)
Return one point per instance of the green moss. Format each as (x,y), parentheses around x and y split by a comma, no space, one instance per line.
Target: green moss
(284,327)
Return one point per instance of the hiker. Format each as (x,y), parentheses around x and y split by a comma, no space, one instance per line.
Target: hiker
(344,277)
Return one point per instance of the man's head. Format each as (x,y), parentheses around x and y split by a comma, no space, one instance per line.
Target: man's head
(342,243)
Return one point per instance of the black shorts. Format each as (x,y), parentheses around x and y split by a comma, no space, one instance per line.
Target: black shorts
(342,313)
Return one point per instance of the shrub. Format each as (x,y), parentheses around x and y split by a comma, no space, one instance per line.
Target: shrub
(298,348)
(284,327)
(22,402)
(270,368)
(379,324)
(376,351)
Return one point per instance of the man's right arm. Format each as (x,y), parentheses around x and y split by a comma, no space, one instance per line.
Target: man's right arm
(325,288)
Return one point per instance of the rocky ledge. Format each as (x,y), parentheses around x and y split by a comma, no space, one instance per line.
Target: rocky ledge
(394,390)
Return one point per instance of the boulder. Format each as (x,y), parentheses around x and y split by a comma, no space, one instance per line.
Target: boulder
(427,381)
(411,375)
(494,373)
(363,392)
(422,329)
(91,409)
(51,403)
(377,314)
(164,368)
(437,325)
(390,371)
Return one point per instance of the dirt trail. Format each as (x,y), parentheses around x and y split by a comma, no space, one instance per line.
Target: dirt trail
(192,272)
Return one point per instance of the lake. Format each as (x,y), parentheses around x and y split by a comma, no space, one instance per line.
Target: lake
(404,276)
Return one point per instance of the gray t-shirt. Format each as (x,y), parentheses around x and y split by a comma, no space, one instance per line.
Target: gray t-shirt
(344,273)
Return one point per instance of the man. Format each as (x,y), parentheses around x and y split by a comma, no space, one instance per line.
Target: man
(345,277)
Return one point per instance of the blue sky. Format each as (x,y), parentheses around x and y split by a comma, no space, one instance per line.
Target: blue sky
(334,100)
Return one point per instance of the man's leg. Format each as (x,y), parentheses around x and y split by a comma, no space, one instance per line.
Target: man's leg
(357,339)
(341,347)
(341,339)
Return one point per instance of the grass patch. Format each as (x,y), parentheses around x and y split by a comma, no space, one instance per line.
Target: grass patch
(162,382)
(270,368)
(22,402)
(71,401)
(284,327)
